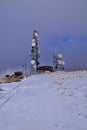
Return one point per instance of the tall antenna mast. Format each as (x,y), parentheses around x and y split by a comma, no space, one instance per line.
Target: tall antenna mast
(35,53)
(58,63)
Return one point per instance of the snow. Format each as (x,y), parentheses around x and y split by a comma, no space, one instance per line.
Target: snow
(50,101)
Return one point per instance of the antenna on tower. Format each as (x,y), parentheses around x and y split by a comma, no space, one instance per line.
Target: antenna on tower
(35,53)
(58,63)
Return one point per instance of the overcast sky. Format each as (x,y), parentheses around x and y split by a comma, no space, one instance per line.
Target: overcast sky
(62,26)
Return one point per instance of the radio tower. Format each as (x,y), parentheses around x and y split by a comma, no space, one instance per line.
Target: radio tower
(58,63)
(35,53)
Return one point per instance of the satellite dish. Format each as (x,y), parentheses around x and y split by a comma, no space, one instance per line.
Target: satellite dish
(60,62)
(63,63)
(60,56)
(32,62)
(36,34)
(33,40)
(34,66)
(33,44)
(38,50)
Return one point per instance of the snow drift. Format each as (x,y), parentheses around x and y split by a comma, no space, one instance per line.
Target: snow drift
(50,101)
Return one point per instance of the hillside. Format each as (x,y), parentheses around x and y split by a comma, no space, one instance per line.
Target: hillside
(50,101)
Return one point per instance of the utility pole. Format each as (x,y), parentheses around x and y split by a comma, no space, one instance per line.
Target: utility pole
(24,69)
(35,53)
(55,62)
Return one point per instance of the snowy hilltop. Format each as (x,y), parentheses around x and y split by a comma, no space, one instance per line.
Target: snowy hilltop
(49,101)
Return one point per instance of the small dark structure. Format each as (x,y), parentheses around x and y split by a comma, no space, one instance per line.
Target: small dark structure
(43,69)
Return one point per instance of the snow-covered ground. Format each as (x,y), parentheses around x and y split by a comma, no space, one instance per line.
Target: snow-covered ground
(50,101)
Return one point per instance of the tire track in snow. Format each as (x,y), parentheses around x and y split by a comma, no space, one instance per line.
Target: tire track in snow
(6,101)
(9,95)
(3,96)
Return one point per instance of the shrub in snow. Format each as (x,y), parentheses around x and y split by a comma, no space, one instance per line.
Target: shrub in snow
(18,73)
(7,76)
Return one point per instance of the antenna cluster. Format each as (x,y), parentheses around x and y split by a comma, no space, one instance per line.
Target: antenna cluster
(35,53)
(58,63)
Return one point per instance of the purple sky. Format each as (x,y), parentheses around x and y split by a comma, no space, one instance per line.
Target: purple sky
(62,26)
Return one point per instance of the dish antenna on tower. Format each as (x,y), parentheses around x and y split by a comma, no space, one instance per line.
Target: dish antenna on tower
(58,63)
(35,52)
